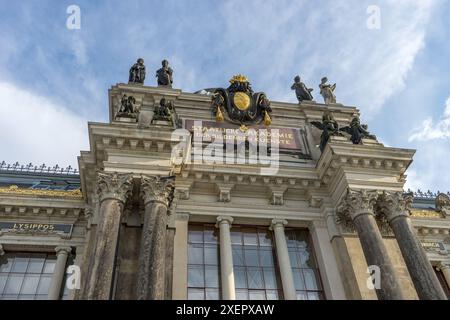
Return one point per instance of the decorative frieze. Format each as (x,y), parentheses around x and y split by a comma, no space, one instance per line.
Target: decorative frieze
(65,194)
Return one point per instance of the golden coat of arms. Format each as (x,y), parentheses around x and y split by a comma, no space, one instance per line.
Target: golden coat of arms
(240,105)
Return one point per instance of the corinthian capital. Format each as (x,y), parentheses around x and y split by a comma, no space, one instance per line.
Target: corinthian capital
(394,204)
(113,185)
(157,189)
(356,202)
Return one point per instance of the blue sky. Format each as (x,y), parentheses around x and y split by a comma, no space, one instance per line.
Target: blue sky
(53,80)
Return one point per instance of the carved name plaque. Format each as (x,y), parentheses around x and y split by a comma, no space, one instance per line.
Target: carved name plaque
(64,230)
(290,139)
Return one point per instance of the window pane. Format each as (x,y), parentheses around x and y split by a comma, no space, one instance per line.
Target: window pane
(266,257)
(195,254)
(305,259)
(211,255)
(272,295)
(241,294)
(249,236)
(26,297)
(35,265)
(44,284)
(13,284)
(270,279)
(238,256)
(196,294)
(240,278)
(195,276)
(313,296)
(196,234)
(236,236)
(298,279)
(255,280)
(251,257)
(212,294)
(6,264)
(30,284)
(310,279)
(211,235)
(20,264)
(256,295)
(211,277)
(2,282)
(265,237)
(301,295)
(49,265)
(290,238)
(295,263)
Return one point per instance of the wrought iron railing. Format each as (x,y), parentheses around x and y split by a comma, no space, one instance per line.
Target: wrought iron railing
(17,167)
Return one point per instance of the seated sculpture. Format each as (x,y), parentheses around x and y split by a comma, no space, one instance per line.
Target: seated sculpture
(127,107)
(137,72)
(301,91)
(164,111)
(327,91)
(165,74)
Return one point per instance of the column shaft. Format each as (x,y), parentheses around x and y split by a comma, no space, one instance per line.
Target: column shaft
(445,269)
(105,250)
(226,259)
(376,254)
(284,262)
(420,269)
(58,274)
(151,281)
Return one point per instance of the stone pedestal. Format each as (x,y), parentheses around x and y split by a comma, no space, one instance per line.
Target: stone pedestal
(156,193)
(359,206)
(113,191)
(427,285)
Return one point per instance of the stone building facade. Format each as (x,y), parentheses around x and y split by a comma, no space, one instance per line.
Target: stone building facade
(153,213)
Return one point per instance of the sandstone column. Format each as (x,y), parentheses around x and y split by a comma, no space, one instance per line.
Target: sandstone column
(157,194)
(359,206)
(226,258)
(287,279)
(113,189)
(445,269)
(394,206)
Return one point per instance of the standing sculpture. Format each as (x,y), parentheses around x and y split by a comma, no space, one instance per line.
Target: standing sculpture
(357,131)
(137,72)
(329,127)
(165,74)
(327,91)
(301,91)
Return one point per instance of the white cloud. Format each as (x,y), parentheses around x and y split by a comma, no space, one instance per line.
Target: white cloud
(34,129)
(429,130)
(369,66)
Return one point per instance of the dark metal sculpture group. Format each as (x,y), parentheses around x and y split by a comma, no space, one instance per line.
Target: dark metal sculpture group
(240,105)
(164,75)
(330,127)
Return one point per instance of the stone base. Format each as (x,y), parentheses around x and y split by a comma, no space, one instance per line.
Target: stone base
(126,119)
(162,123)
